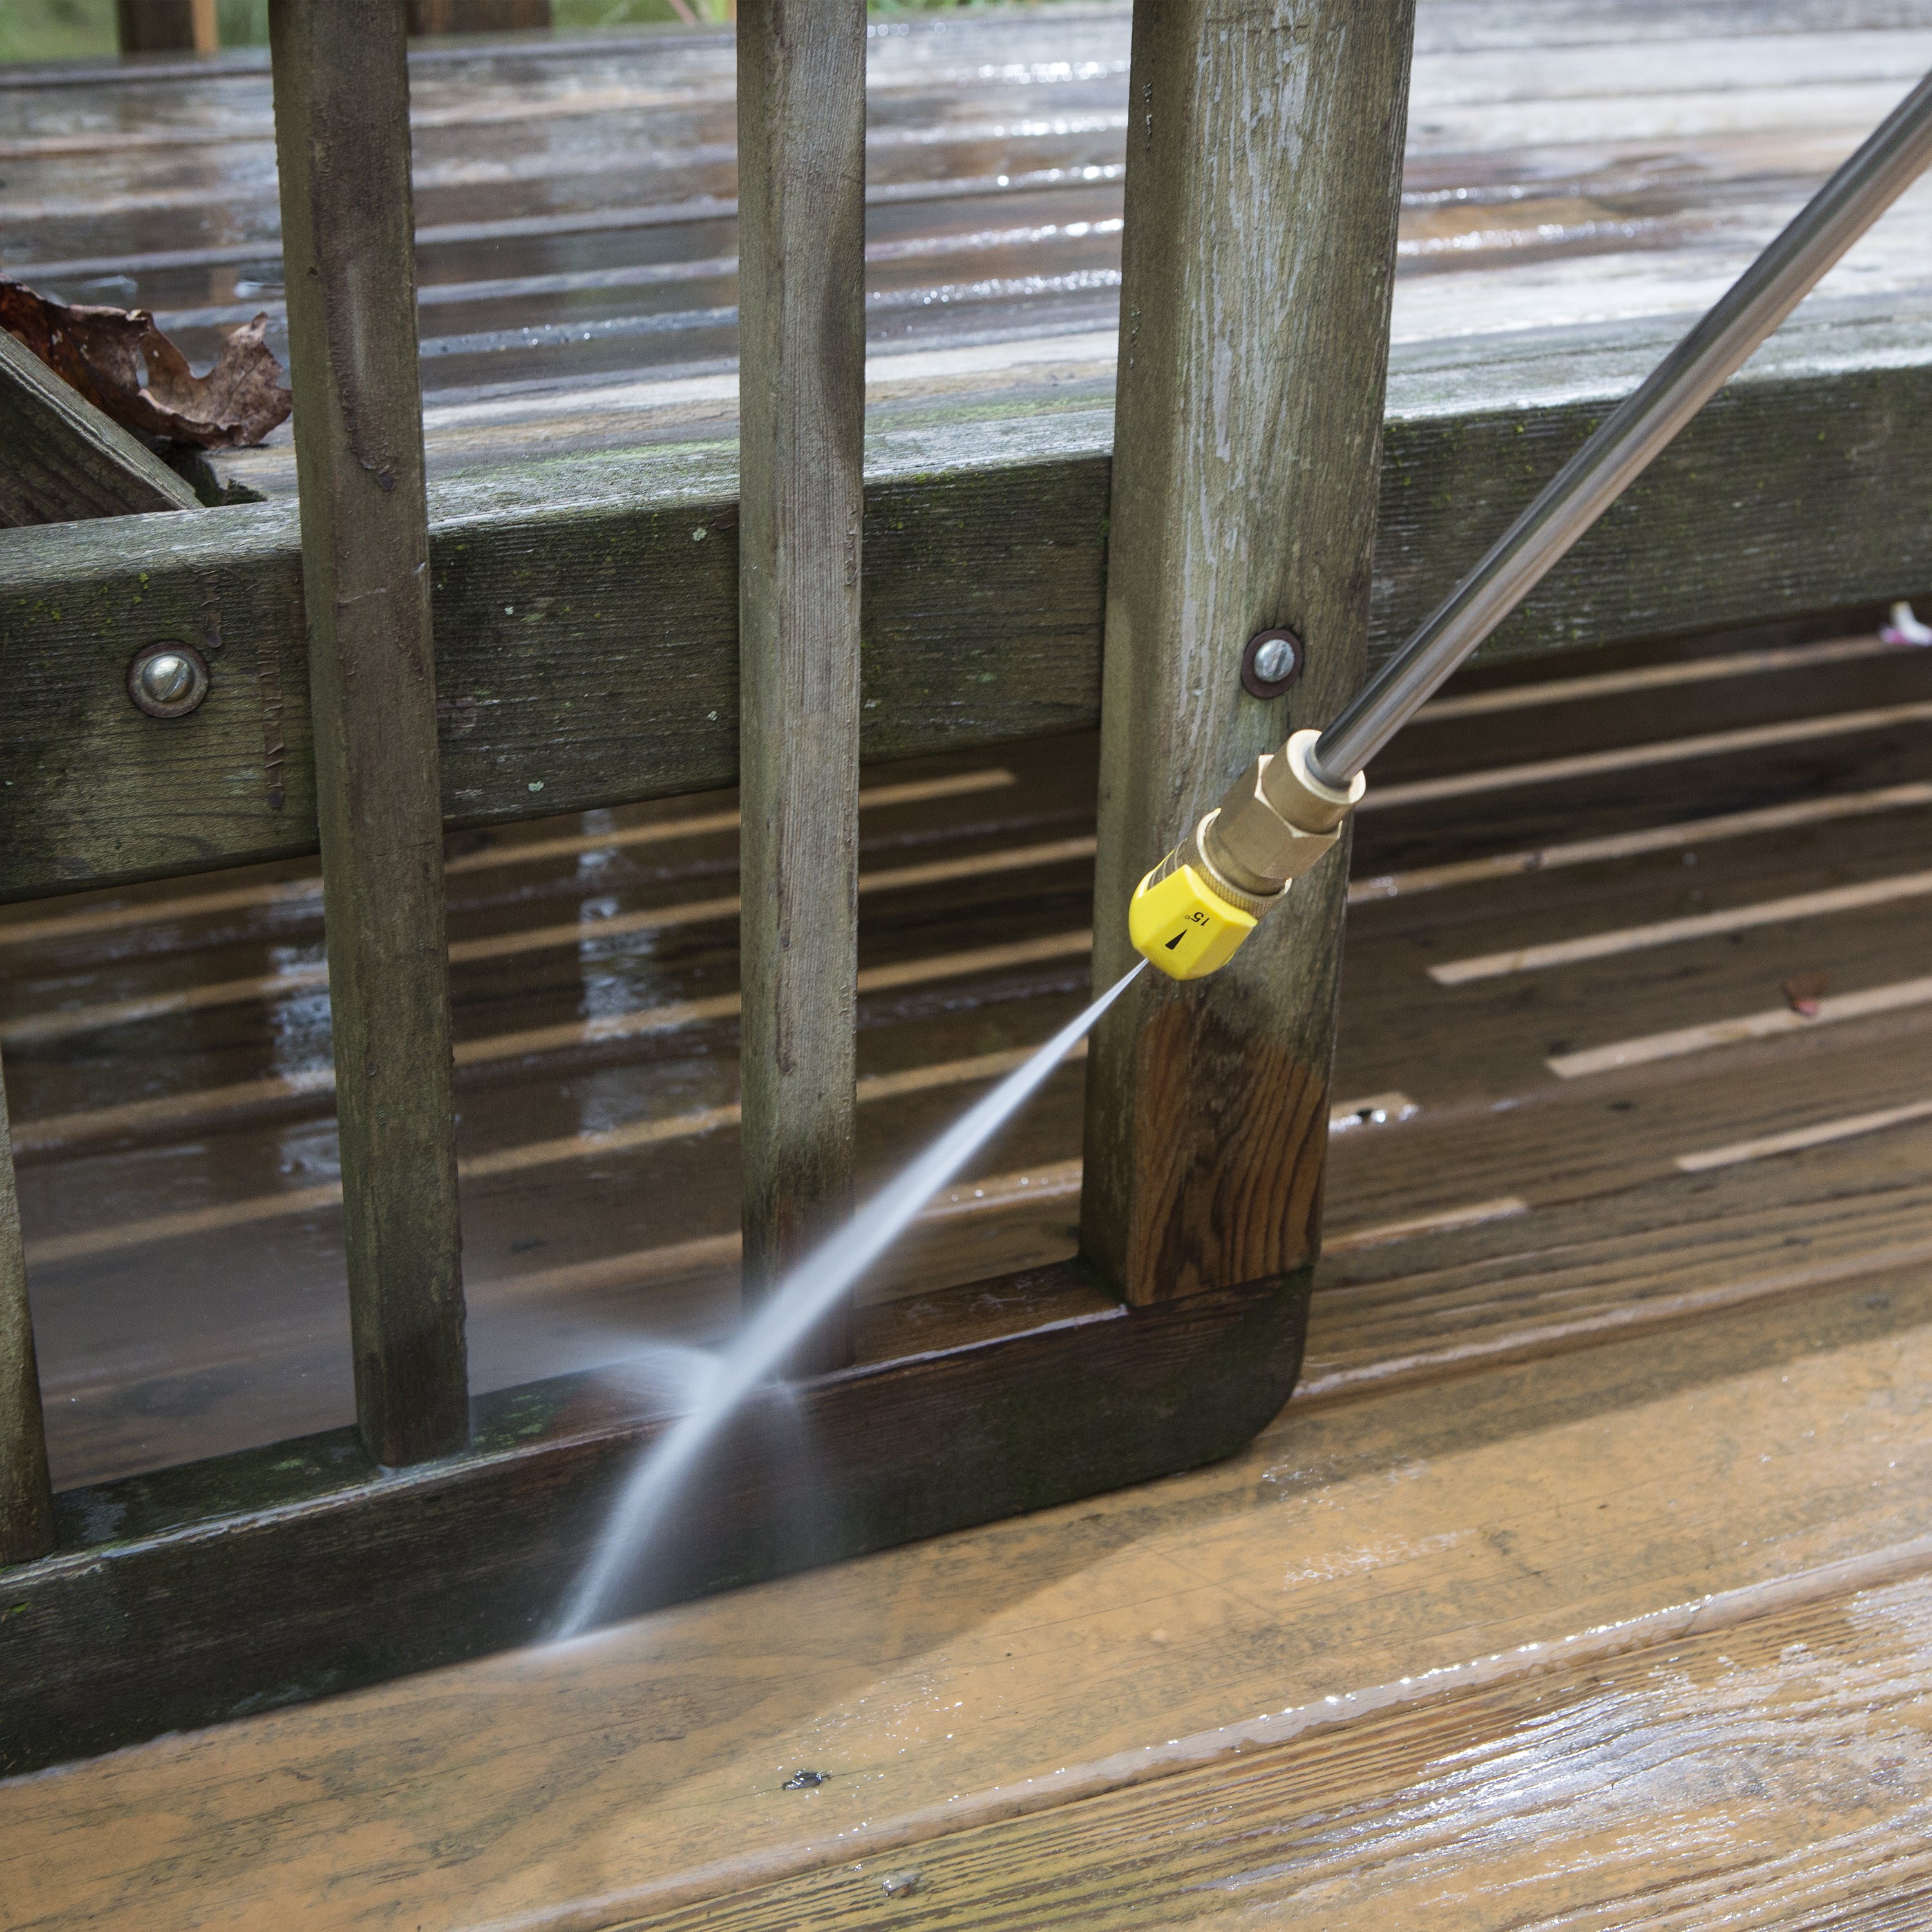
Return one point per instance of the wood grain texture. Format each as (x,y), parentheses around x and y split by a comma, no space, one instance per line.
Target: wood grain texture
(1264,172)
(342,130)
(210,1590)
(587,645)
(1772,1768)
(1729,1468)
(802,331)
(64,460)
(26,1501)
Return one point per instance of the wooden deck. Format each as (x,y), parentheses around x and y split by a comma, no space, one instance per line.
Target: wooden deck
(1598,1510)
(1570,167)
(1581,1583)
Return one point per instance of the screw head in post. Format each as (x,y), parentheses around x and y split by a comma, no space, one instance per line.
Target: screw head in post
(1271,663)
(167,679)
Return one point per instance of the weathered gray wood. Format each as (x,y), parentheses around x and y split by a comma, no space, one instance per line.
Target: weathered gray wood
(802,334)
(1264,171)
(587,635)
(342,134)
(60,459)
(167,26)
(26,1502)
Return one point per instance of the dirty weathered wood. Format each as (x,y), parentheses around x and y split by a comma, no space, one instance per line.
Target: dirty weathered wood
(587,644)
(167,26)
(170,1627)
(26,1502)
(801,323)
(1264,170)
(64,460)
(342,127)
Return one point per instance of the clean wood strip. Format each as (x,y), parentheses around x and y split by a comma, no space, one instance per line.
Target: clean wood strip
(697,912)
(802,431)
(174,1111)
(1263,185)
(61,1024)
(26,1500)
(1631,844)
(1799,1138)
(1544,1340)
(1769,1023)
(342,137)
(1055,1184)
(913,791)
(85,1243)
(1694,925)
(187,905)
(1637,757)
(1655,677)
(1442,1221)
(303,892)
(65,460)
(31,1028)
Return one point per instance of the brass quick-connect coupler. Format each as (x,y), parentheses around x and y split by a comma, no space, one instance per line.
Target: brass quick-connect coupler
(1191,912)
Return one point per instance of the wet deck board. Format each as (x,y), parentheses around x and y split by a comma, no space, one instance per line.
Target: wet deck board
(1625,1633)
(167,1050)
(1666,1424)
(577,200)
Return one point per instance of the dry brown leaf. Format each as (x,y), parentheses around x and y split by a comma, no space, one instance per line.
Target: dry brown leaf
(123,364)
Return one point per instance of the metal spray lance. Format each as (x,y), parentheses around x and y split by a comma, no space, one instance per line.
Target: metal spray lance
(1190,914)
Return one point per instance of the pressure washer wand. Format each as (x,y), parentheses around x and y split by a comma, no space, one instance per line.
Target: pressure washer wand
(1191,912)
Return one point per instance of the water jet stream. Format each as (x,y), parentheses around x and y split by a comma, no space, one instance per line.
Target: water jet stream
(812,1287)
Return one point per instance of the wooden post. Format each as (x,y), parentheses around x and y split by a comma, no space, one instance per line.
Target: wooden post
(167,26)
(1264,168)
(61,460)
(343,140)
(26,1502)
(801,361)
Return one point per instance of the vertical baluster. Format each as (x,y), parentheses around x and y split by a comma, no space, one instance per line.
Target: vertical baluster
(1264,168)
(801,252)
(26,1503)
(342,142)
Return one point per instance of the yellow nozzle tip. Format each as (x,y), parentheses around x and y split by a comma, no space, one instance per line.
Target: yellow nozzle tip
(1184,927)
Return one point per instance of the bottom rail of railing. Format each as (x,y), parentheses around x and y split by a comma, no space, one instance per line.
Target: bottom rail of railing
(273,1575)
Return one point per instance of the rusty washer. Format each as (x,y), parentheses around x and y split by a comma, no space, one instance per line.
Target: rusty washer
(1270,663)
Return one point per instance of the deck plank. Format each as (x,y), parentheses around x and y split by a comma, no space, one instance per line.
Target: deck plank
(1352,1546)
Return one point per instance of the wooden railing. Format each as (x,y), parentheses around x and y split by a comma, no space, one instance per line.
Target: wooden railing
(1241,493)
